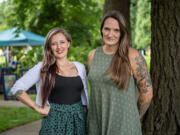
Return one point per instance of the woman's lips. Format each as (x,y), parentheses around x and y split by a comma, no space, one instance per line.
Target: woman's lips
(111,39)
(59,51)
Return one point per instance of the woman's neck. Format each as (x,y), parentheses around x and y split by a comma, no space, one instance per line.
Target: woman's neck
(62,62)
(110,49)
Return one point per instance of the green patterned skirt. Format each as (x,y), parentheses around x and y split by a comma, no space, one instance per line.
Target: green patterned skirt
(64,120)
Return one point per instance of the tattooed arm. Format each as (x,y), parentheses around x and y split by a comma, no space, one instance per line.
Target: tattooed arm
(24,98)
(143,81)
(24,83)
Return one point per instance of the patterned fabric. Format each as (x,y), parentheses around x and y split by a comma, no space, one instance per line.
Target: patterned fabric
(64,120)
(112,111)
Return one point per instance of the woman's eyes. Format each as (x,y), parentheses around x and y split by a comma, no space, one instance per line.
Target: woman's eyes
(116,30)
(61,42)
(53,44)
(107,29)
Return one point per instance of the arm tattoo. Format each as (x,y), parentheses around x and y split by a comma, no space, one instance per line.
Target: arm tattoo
(73,67)
(144,84)
(19,92)
(143,106)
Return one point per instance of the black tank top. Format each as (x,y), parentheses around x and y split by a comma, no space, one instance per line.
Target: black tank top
(67,90)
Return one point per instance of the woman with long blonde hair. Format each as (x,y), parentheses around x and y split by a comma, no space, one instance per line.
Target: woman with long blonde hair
(61,88)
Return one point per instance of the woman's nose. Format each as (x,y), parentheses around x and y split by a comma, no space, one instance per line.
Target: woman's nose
(58,45)
(110,33)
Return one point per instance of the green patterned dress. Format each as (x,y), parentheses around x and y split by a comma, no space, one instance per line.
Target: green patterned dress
(111,111)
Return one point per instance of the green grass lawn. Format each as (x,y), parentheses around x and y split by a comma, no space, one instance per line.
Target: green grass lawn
(15,116)
(33,96)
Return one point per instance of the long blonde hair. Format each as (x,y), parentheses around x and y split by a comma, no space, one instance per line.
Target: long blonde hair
(49,67)
(120,64)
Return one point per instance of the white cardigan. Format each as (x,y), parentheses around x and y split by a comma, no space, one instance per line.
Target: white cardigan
(33,77)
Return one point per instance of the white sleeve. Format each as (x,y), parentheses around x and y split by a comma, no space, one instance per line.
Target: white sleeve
(30,78)
(84,93)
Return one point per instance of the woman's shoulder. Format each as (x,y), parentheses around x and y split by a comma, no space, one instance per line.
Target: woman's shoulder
(80,67)
(91,53)
(136,58)
(133,53)
(78,64)
(38,65)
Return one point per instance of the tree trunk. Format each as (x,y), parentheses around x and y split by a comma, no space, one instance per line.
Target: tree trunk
(163,116)
(121,5)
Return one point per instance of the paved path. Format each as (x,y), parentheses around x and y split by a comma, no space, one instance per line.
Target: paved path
(27,129)
(11,103)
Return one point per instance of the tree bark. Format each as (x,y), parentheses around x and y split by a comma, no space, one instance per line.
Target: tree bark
(121,5)
(163,116)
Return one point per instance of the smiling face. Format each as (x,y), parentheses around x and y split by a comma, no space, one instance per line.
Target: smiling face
(59,45)
(111,32)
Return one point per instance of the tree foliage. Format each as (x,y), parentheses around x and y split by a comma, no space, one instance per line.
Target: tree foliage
(140,23)
(80,18)
(3,25)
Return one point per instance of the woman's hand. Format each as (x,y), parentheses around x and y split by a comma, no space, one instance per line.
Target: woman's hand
(42,110)
(24,97)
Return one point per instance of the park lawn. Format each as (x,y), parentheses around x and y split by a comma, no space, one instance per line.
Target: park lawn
(33,96)
(14,116)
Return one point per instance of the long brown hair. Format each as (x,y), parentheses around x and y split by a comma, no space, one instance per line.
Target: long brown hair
(49,67)
(120,64)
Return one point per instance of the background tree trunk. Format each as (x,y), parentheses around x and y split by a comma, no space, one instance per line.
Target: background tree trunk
(121,5)
(163,116)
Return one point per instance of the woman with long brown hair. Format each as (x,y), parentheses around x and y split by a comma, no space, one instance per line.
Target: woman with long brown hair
(61,88)
(114,72)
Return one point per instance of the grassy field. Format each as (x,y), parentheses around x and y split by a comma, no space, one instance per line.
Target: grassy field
(15,116)
(33,96)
